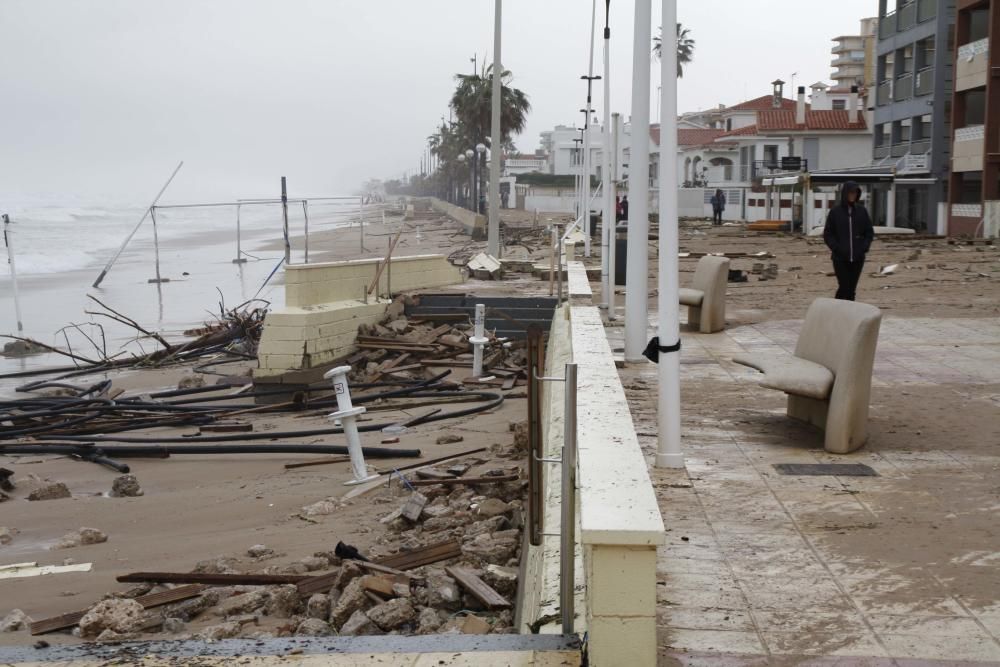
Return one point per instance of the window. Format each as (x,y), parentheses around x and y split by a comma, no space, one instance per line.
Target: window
(729,125)
(925,53)
(905,130)
(840,104)
(771,155)
(922,127)
(975,106)
(906,55)
(883,134)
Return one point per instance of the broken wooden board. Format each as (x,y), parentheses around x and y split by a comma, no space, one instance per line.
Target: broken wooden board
(317,462)
(465,480)
(226,427)
(433,474)
(478,588)
(211,579)
(414,506)
(425,556)
(21,570)
(70,619)
(379,584)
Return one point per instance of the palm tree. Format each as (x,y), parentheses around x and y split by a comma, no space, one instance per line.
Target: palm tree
(472,101)
(685,48)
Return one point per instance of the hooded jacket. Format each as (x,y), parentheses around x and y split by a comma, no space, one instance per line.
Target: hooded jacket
(849,232)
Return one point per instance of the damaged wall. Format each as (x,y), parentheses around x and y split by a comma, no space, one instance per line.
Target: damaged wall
(474,223)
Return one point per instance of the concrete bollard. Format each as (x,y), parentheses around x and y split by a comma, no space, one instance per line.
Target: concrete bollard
(478,340)
(348,414)
(569,251)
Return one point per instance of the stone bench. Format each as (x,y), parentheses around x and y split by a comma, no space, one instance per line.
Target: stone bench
(828,379)
(706,299)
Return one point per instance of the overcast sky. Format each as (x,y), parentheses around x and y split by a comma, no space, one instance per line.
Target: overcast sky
(102,98)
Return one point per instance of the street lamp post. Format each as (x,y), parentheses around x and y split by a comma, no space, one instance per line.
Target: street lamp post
(496,138)
(458,186)
(481,164)
(469,155)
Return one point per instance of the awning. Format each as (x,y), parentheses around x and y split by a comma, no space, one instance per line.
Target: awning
(916,181)
(880,175)
(782,180)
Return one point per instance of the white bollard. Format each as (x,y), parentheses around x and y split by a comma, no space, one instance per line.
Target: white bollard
(347,414)
(8,236)
(478,341)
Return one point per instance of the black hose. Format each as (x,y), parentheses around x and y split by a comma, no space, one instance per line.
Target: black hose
(495,400)
(83,450)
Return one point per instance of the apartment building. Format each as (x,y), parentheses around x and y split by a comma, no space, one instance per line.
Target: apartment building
(974,186)
(912,108)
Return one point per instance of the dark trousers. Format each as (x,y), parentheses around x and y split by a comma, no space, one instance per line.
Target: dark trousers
(716,217)
(848,274)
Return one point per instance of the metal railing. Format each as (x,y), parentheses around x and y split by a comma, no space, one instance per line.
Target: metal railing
(920,146)
(901,149)
(925,81)
(903,88)
(881,152)
(884,94)
(907,16)
(926,10)
(765,167)
(887,26)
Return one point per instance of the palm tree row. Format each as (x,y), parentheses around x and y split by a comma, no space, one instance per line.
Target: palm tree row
(685,47)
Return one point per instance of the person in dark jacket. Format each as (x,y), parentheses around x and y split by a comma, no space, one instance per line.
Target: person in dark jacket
(849,235)
(625,208)
(718,206)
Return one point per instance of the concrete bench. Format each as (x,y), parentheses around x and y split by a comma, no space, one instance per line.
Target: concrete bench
(706,299)
(828,380)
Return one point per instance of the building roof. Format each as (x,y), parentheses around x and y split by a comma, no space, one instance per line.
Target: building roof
(654,133)
(762,103)
(836,119)
(748,131)
(697,137)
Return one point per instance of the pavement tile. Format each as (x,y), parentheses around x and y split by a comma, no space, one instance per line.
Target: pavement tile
(935,647)
(700,618)
(942,626)
(857,642)
(712,640)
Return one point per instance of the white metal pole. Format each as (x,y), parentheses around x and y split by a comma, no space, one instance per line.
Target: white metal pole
(608,217)
(348,414)
(128,238)
(305,214)
(496,150)
(284,218)
(8,237)
(478,340)
(586,136)
(636,289)
(239,251)
(668,453)
(156,245)
(613,228)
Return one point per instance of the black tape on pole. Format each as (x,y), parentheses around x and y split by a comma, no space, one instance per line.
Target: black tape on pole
(653,350)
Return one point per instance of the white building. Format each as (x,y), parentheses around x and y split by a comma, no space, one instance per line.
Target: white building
(853,57)
(519,163)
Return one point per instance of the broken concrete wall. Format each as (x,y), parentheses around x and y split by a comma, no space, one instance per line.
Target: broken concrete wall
(474,223)
(325,307)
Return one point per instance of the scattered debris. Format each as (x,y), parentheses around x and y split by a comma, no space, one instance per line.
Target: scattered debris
(54,491)
(5,482)
(81,537)
(7,535)
(14,621)
(120,615)
(126,486)
(449,439)
(21,570)
(889,270)
(485,267)
(259,551)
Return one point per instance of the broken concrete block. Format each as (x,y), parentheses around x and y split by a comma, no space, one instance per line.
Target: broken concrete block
(318,606)
(284,601)
(174,626)
(393,614)
(449,439)
(473,625)
(428,621)
(349,571)
(399,326)
(485,267)
(492,507)
(414,506)
(502,579)
(259,551)
(490,549)
(50,492)
(442,591)
(314,563)
(126,486)
(191,381)
(190,609)
(14,621)
(358,624)
(118,614)
(378,584)
(313,627)
(242,604)
(217,566)
(351,600)
(221,631)
(7,535)
(81,537)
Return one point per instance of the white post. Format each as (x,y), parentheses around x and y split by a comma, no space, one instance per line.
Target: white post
(636,289)
(608,217)
(8,237)
(586,136)
(668,450)
(808,208)
(284,219)
(493,235)
(156,246)
(305,214)
(240,259)
(613,228)
(361,216)
(890,206)
(478,340)
(942,218)
(348,414)
(552,256)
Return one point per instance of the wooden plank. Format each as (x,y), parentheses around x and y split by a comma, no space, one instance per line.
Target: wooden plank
(378,584)
(377,375)
(464,480)
(478,588)
(375,567)
(414,506)
(419,557)
(435,333)
(319,584)
(211,579)
(434,475)
(317,462)
(224,427)
(70,619)
(459,469)
(432,462)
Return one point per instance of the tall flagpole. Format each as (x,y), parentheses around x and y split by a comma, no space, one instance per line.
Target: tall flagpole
(496,150)
(637,275)
(608,217)
(586,135)
(668,451)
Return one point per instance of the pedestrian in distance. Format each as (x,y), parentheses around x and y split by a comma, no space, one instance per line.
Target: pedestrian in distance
(625,208)
(848,235)
(718,202)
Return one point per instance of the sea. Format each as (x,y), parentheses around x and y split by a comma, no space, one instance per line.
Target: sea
(60,249)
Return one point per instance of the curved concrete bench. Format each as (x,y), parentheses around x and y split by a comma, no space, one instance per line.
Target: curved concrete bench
(706,299)
(828,380)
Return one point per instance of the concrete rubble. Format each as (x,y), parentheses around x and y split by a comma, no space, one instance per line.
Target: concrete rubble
(53,491)
(126,486)
(81,537)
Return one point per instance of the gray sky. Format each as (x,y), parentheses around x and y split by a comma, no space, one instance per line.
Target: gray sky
(102,98)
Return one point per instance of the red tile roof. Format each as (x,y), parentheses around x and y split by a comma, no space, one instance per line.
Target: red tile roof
(748,131)
(654,134)
(779,119)
(697,137)
(763,103)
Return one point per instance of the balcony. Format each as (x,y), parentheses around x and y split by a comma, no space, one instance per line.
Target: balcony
(920,146)
(881,152)
(884,94)
(967,210)
(848,60)
(761,168)
(899,150)
(972,65)
(887,26)
(926,10)
(967,151)
(925,81)
(904,88)
(907,17)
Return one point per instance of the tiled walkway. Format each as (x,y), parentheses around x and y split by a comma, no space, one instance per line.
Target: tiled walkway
(903,568)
